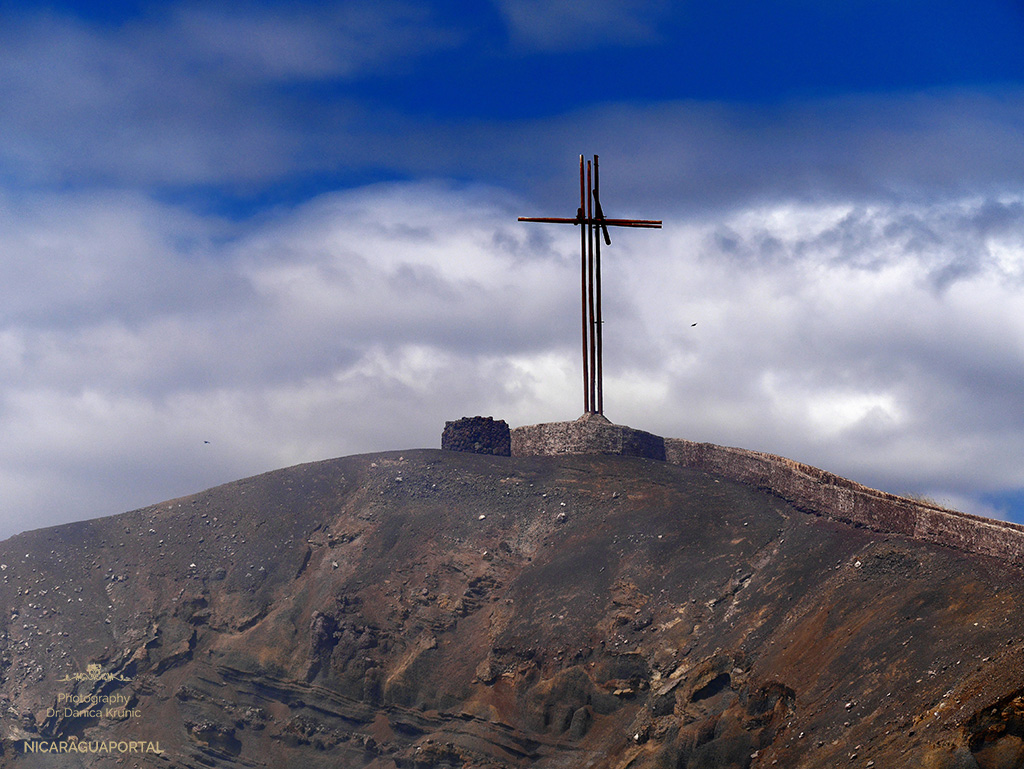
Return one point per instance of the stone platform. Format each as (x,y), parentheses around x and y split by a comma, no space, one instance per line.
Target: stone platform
(590,434)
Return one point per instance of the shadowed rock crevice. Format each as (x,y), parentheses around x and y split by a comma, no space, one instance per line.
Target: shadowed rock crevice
(995,735)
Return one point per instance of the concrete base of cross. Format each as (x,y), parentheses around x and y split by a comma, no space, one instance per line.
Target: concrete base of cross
(590,434)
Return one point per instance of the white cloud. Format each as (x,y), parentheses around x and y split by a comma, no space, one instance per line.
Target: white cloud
(361,321)
(826,336)
(306,41)
(883,342)
(204,94)
(582,24)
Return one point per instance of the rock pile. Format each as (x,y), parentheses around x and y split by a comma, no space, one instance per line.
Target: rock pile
(477,435)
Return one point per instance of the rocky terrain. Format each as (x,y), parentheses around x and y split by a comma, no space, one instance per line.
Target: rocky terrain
(440,609)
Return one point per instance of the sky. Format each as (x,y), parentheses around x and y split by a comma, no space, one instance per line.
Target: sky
(239,236)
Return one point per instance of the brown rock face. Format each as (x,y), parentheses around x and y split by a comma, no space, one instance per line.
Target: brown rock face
(438,609)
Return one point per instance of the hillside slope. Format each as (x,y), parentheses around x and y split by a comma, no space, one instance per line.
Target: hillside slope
(436,609)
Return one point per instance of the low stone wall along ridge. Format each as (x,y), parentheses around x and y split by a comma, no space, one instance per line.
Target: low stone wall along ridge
(807,488)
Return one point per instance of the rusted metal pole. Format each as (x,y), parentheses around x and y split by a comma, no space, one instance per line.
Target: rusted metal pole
(598,320)
(590,289)
(583,287)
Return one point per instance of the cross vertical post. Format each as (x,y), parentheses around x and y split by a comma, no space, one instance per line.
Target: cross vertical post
(593,225)
(584,288)
(590,291)
(598,319)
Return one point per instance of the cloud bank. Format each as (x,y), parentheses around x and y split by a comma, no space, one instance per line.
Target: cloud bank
(234,239)
(883,342)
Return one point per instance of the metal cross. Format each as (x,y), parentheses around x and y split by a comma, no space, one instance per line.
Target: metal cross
(590,218)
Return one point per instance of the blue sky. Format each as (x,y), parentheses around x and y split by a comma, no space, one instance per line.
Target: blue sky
(289,229)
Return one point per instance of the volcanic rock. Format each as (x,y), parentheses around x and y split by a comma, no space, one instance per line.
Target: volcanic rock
(329,615)
(478,435)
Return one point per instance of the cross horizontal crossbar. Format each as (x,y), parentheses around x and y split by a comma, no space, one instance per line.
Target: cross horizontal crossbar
(654,224)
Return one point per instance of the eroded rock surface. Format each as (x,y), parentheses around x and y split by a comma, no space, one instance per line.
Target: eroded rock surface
(439,609)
